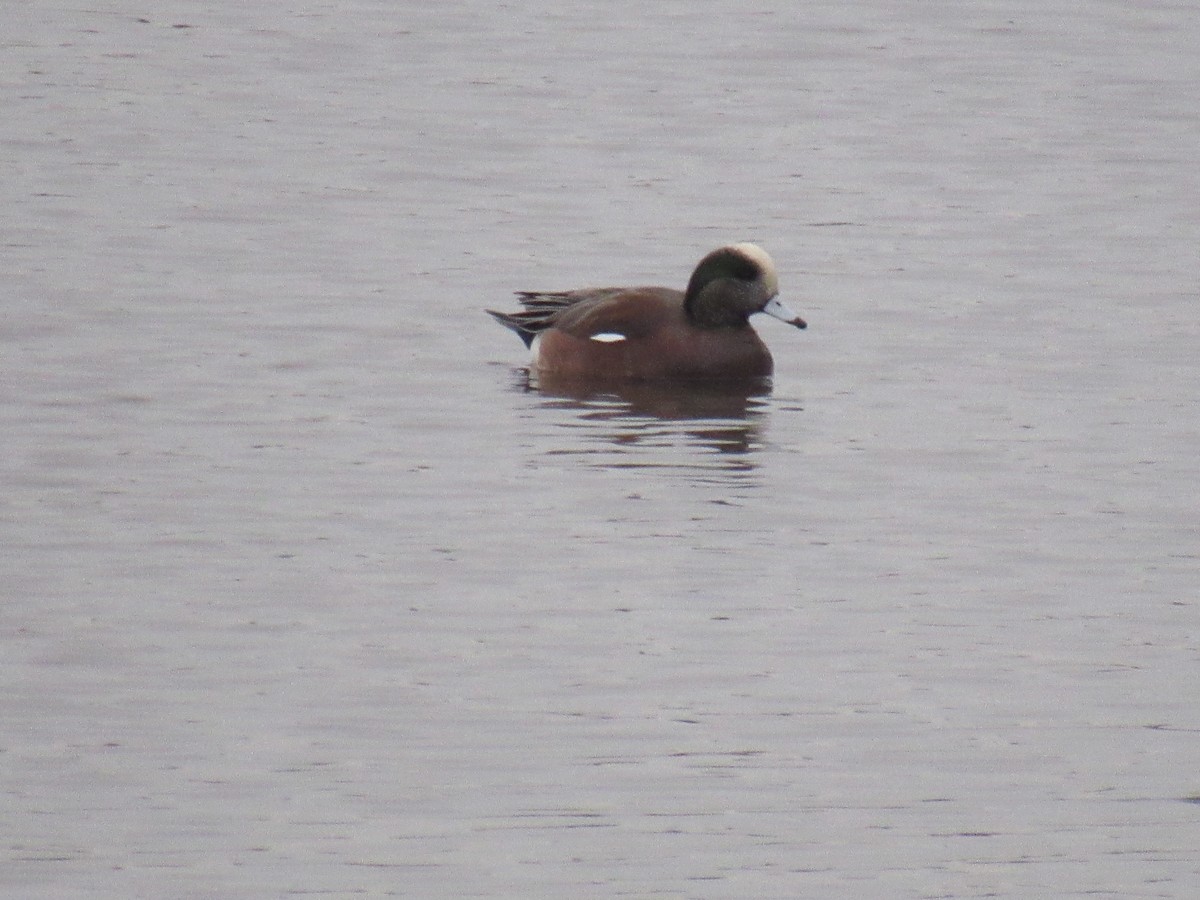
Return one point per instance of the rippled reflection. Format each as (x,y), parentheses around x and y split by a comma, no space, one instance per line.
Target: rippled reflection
(697,429)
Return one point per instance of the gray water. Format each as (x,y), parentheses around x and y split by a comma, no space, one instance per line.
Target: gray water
(305,591)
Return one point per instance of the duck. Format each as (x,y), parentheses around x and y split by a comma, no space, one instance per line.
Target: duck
(658,333)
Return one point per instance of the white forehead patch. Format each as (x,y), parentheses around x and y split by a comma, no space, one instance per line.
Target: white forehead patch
(762,259)
(607,337)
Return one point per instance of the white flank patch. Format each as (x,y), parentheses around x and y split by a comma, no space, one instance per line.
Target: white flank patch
(608,337)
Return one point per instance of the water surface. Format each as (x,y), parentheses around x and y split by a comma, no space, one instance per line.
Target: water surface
(308,591)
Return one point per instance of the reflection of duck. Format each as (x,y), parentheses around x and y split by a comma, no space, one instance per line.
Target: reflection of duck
(725,417)
(654,333)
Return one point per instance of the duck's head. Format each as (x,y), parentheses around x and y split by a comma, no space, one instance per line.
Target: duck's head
(733,283)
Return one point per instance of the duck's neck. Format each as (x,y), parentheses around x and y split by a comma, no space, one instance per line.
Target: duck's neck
(719,304)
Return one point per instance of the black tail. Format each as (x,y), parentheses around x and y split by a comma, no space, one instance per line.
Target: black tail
(540,310)
(513,321)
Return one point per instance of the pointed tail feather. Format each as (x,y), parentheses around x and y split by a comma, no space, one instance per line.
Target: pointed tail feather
(513,321)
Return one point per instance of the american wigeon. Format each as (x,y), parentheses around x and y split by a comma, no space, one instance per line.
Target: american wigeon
(651,333)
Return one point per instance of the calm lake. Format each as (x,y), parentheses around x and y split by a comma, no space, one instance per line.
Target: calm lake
(308,591)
